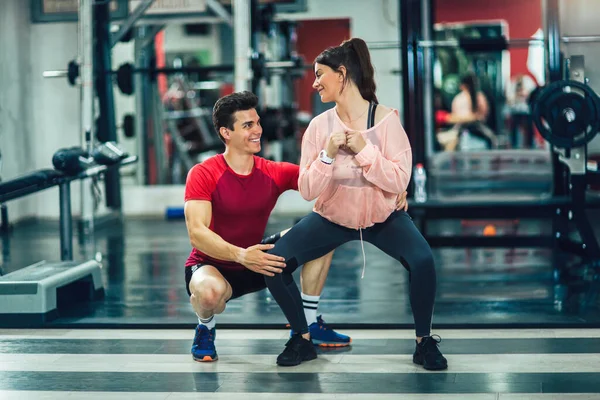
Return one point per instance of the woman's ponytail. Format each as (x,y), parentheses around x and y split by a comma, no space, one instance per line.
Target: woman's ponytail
(365,73)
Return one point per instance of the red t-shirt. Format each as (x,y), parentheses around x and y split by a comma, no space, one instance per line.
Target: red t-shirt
(241,204)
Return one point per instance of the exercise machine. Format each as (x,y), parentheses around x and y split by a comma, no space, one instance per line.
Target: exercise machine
(32,295)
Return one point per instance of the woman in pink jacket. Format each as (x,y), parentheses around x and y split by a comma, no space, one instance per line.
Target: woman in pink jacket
(356,159)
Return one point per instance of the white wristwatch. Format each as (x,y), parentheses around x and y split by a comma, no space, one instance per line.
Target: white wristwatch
(325,158)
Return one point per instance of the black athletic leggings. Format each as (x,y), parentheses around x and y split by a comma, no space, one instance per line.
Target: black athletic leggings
(315,236)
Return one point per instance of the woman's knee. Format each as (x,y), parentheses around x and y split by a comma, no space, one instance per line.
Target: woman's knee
(422,262)
(276,280)
(208,293)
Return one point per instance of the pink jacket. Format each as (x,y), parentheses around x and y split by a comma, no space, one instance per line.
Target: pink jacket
(357,190)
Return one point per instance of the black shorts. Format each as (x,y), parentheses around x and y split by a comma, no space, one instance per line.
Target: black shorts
(242,282)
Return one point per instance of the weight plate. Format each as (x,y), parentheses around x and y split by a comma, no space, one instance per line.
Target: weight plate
(566,113)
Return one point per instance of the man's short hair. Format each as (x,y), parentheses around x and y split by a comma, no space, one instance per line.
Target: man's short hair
(227,106)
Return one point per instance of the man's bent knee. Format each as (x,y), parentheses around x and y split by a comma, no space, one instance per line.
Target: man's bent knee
(209,292)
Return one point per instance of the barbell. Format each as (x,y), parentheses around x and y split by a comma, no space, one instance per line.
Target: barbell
(481,44)
(261,68)
(467,44)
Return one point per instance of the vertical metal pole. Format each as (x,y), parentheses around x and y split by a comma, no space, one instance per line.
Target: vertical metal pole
(553,35)
(107,129)
(419,151)
(560,171)
(86,52)
(291,51)
(4,224)
(406,65)
(140,113)
(86,93)
(412,68)
(160,152)
(66,224)
(427,79)
(258,44)
(555,74)
(242,44)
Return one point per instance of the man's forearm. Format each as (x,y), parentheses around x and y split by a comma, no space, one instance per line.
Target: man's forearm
(214,246)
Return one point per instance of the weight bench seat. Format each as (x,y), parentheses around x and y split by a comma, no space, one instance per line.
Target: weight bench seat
(31,293)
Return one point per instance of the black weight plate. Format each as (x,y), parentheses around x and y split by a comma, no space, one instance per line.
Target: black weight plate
(566,113)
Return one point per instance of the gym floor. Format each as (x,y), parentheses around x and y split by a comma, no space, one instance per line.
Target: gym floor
(477,288)
(528,326)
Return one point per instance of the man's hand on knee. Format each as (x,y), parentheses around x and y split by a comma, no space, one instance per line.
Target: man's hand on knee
(256,259)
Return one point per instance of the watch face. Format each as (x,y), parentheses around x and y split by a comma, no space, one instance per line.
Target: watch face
(325,158)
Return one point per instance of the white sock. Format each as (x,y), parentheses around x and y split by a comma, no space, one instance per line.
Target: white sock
(310,304)
(209,322)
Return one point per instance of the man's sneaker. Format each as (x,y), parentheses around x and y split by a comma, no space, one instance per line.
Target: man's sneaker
(203,348)
(428,355)
(324,336)
(297,349)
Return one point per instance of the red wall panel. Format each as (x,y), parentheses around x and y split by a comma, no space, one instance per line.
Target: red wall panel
(314,36)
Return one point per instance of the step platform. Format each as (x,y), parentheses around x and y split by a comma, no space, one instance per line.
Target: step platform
(33,295)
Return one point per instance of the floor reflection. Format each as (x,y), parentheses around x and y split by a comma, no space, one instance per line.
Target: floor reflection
(144,281)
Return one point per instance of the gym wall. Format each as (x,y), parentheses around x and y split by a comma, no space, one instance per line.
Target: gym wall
(16,132)
(37,116)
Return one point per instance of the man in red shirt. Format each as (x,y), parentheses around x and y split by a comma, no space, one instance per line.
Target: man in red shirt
(228,201)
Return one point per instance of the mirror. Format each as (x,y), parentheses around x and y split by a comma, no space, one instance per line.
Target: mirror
(173,111)
(179,104)
(482,141)
(481,97)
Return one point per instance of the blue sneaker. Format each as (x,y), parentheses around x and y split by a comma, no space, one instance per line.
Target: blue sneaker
(324,336)
(203,348)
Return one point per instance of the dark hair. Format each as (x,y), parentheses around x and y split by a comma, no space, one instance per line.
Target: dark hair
(354,55)
(470,82)
(227,106)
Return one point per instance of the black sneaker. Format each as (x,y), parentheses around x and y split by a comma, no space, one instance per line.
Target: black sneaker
(428,355)
(297,349)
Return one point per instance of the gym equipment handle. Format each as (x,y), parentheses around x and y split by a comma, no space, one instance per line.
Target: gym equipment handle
(61,73)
